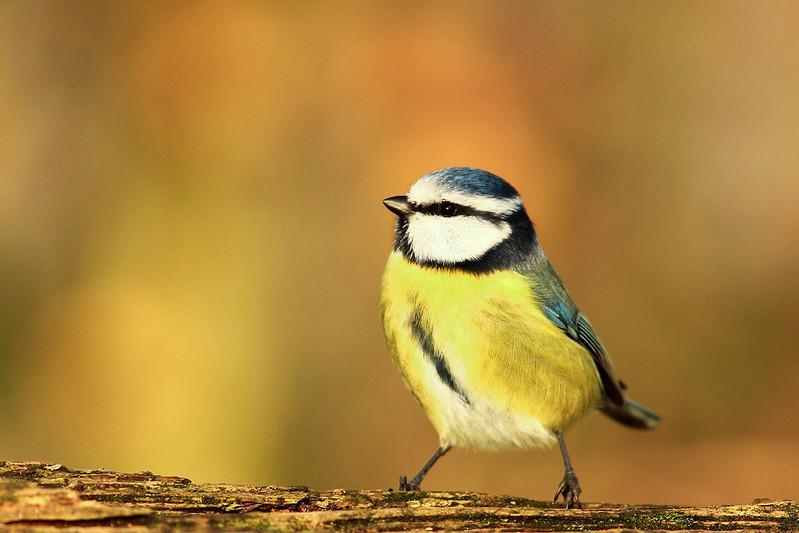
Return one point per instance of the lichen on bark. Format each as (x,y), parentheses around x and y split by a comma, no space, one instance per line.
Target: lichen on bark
(42,496)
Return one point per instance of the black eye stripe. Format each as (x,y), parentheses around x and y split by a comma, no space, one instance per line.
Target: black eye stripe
(438,208)
(460,210)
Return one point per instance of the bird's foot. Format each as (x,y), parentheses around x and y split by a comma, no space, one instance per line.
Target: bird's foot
(404,485)
(569,488)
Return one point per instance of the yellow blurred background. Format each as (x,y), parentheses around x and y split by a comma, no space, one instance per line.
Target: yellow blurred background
(192,235)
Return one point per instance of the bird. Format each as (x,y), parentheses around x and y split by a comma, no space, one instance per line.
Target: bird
(482,329)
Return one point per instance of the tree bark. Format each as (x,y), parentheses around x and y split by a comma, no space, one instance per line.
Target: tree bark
(41,496)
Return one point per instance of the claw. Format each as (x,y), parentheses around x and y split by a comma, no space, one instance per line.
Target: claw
(416,482)
(408,487)
(569,488)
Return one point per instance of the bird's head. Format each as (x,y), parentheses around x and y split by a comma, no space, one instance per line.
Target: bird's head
(462,217)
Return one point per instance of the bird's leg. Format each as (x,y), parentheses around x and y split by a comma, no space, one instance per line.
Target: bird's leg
(416,482)
(569,487)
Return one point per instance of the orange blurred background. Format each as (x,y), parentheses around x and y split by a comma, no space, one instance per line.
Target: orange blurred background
(192,235)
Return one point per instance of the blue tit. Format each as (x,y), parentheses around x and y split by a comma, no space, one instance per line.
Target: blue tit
(482,329)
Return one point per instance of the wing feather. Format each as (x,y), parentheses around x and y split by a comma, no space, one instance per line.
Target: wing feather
(588,338)
(563,313)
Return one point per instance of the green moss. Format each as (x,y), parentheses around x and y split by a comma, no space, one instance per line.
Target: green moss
(791,522)
(392,498)
(667,520)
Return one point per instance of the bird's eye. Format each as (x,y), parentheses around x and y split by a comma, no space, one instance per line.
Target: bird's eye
(448,209)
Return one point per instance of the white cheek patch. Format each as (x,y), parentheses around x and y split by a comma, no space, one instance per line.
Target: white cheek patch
(428,191)
(453,239)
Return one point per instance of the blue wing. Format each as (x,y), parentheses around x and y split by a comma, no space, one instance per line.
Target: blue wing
(558,306)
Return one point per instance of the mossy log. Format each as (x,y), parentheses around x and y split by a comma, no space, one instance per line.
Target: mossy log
(39,496)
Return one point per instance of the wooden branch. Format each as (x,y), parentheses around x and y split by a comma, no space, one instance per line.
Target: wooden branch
(43,496)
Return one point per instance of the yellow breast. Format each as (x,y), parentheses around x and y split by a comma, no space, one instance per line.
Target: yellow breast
(509,365)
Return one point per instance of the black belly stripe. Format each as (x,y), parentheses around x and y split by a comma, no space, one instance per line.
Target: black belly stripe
(421,332)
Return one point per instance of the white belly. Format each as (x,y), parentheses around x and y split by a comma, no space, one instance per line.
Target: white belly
(477,424)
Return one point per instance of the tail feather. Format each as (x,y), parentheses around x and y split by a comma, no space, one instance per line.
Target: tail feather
(631,414)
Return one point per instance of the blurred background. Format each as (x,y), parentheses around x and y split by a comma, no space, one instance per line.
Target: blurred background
(192,235)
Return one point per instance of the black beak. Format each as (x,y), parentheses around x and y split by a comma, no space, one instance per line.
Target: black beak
(398,205)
